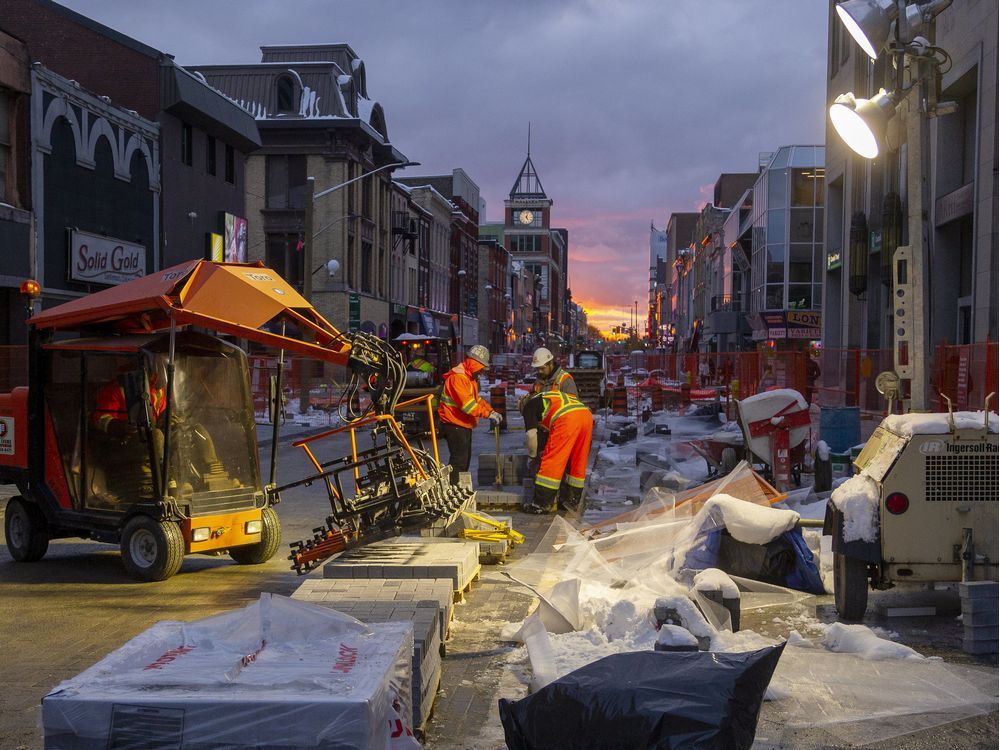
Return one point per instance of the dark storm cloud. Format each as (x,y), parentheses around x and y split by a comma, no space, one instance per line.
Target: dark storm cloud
(635,106)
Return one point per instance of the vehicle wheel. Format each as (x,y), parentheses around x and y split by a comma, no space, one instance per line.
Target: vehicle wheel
(152,550)
(270,539)
(850,586)
(728,460)
(26,530)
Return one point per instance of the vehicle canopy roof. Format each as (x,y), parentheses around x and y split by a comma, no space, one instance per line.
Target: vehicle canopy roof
(247,300)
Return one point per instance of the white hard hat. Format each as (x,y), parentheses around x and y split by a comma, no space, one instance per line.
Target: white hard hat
(481,354)
(541,357)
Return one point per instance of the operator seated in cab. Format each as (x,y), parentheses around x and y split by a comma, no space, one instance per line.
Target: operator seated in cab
(127,462)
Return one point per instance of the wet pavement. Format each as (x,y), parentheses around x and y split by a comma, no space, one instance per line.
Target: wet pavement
(67,611)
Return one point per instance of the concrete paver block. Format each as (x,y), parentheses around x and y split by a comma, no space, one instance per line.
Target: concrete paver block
(979,590)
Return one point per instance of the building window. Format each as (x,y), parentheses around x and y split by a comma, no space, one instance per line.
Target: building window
(286,94)
(210,166)
(366,267)
(187,145)
(230,165)
(5,149)
(350,261)
(286,181)
(366,197)
(285,257)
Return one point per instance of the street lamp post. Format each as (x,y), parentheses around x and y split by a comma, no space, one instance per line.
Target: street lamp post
(307,247)
(461,308)
(862,123)
(311,197)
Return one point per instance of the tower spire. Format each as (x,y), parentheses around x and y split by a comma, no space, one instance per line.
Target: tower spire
(529,139)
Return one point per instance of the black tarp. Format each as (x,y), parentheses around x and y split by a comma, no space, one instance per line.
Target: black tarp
(647,699)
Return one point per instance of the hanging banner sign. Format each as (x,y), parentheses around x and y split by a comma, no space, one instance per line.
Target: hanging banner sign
(104,260)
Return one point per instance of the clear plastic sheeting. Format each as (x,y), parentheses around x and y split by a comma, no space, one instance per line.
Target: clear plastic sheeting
(821,696)
(277,673)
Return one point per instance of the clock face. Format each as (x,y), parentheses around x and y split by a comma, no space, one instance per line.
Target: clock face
(526,217)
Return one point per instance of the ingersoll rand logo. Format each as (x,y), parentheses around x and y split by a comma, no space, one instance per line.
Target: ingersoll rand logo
(930,447)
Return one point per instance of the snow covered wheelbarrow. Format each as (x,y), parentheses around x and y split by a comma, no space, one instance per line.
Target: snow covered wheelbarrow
(776,426)
(721,454)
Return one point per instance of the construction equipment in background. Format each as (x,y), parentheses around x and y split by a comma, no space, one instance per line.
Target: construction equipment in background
(434,351)
(180,473)
(587,369)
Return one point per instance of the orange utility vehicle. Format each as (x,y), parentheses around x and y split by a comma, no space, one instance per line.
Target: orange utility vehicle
(139,431)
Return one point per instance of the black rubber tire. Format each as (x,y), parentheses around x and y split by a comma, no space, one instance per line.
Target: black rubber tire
(264,550)
(152,550)
(26,530)
(850,586)
(728,461)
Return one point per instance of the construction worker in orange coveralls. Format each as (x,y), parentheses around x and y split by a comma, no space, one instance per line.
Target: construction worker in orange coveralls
(461,407)
(570,425)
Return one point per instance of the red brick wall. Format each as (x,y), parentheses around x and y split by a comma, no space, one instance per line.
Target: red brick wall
(101,64)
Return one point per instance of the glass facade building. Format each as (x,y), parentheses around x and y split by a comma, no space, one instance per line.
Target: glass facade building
(786,222)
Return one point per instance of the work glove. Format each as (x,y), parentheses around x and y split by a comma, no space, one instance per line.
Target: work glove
(496,418)
(120,428)
(531,442)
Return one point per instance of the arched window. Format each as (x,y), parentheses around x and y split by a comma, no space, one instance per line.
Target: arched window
(286,94)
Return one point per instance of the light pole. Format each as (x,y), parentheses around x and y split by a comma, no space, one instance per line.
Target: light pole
(461,308)
(863,124)
(311,197)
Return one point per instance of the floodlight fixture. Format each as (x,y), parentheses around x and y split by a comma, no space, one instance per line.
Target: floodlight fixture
(861,123)
(869,22)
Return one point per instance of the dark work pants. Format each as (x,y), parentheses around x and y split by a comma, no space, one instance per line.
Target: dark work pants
(459,448)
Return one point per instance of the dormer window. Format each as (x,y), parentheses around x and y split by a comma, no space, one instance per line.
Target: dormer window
(286,94)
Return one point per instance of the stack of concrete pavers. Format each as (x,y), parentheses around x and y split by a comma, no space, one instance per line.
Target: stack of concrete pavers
(423,614)
(980,621)
(410,558)
(513,468)
(333,591)
(508,501)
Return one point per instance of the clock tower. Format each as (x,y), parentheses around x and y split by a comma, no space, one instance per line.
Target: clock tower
(531,241)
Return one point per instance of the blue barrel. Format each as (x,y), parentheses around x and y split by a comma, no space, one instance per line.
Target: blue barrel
(840,427)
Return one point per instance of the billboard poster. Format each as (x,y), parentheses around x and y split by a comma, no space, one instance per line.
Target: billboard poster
(94,259)
(235,233)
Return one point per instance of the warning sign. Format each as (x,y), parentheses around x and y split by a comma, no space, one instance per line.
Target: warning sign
(6,436)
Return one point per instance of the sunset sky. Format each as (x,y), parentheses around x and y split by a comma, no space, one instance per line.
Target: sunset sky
(636,106)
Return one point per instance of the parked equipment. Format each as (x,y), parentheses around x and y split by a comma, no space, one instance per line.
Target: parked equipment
(140,432)
(934,479)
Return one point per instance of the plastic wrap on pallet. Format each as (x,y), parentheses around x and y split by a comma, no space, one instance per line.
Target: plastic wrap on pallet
(277,673)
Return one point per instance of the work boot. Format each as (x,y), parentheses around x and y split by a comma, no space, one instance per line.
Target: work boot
(542,501)
(573,503)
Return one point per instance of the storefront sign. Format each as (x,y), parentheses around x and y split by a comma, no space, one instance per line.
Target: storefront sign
(104,260)
(354,312)
(954,205)
(803,324)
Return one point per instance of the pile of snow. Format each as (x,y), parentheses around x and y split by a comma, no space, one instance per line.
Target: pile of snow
(748,522)
(713,579)
(858,499)
(674,636)
(908,425)
(861,640)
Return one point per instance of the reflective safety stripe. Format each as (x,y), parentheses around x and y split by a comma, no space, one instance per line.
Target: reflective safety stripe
(469,405)
(551,484)
(574,481)
(448,400)
(566,409)
(557,404)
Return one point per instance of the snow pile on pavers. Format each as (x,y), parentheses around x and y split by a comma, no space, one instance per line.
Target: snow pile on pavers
(277,673)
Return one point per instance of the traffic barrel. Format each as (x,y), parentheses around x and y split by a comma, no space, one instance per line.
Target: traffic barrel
(498,402)
(656,398)
(619,400)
